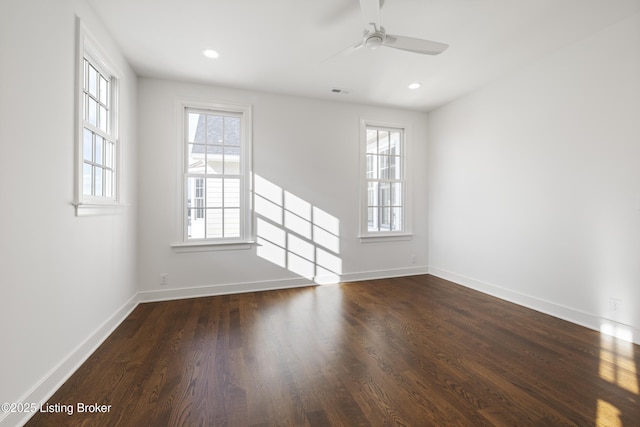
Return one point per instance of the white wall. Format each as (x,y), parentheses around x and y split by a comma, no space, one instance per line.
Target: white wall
(63,277)
(307,147)
(534,182)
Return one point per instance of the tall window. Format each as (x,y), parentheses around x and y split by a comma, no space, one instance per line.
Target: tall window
(216,174)
(384,204)
(97,176)
(98,139)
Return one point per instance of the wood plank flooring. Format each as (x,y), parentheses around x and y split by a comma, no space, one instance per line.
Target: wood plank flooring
(414,351)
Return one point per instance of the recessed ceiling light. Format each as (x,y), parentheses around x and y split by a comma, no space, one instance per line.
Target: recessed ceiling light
(210,53)
(415,85)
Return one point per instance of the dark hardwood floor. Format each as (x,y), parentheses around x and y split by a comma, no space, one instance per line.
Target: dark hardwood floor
(415,351)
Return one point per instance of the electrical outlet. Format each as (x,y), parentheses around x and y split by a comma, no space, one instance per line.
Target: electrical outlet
(164,279)
(614,305)
(414,259)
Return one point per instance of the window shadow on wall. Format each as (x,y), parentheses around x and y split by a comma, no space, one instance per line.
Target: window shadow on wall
(296,235)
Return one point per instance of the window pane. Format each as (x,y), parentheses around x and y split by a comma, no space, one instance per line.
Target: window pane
(394,145)
(372,166)
(214,130)
(384,194)
(396,194)
(372,219)
(384,214)
(396,219)
(232,160)
(394,167)
(383,142)
(195,158)
(213,159)
(214,193)
(109,154)
(93,112)
(93,81)
(97,188)
(98,150)
(103,119)
(372,141)
(85,109)
(231,193)
(232,130)
(214,223)
(191,192)
(87,145)
(195,227)
(104,93)
(197,131)
(232,223)
(372,194)
(87,182)
(108,183)
(383,162)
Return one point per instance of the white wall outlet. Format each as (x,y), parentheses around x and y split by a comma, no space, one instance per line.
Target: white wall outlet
(164,279)
(614,305)
(414,259)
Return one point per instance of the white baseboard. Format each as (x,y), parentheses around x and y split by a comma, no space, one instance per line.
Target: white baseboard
(52,381)
(237,288)
(384,274)
(556,310)
(224,289)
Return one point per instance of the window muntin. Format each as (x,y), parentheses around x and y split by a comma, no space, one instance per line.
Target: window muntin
(216,175)
(384,181)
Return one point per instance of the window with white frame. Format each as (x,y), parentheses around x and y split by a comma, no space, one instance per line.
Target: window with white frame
(216,174)
(384,194)
(97,140)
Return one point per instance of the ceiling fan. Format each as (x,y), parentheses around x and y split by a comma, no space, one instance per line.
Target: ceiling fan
(375,35)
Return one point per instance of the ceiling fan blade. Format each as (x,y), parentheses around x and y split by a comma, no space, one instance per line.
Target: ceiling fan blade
(344,52)
(370,12)
(411,44)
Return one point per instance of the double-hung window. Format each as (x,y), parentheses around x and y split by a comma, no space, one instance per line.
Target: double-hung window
(216,174)
(384,184)
(97,140)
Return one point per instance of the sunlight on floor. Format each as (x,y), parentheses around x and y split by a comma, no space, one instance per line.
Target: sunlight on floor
(294,234)
(608,415)
(617,366)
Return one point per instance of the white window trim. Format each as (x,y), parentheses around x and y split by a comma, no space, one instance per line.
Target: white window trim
(365,235)
(246,240)
(89,205)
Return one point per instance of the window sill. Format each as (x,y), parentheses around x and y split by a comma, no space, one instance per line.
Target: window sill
(373,238)
(211,246)
(95,209)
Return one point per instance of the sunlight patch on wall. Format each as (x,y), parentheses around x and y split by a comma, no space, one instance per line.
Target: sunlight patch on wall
(294,234)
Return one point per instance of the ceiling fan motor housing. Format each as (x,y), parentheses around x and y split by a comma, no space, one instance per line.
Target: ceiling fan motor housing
(373,39)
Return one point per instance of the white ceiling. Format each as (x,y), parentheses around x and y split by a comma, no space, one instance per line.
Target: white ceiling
(288,46)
